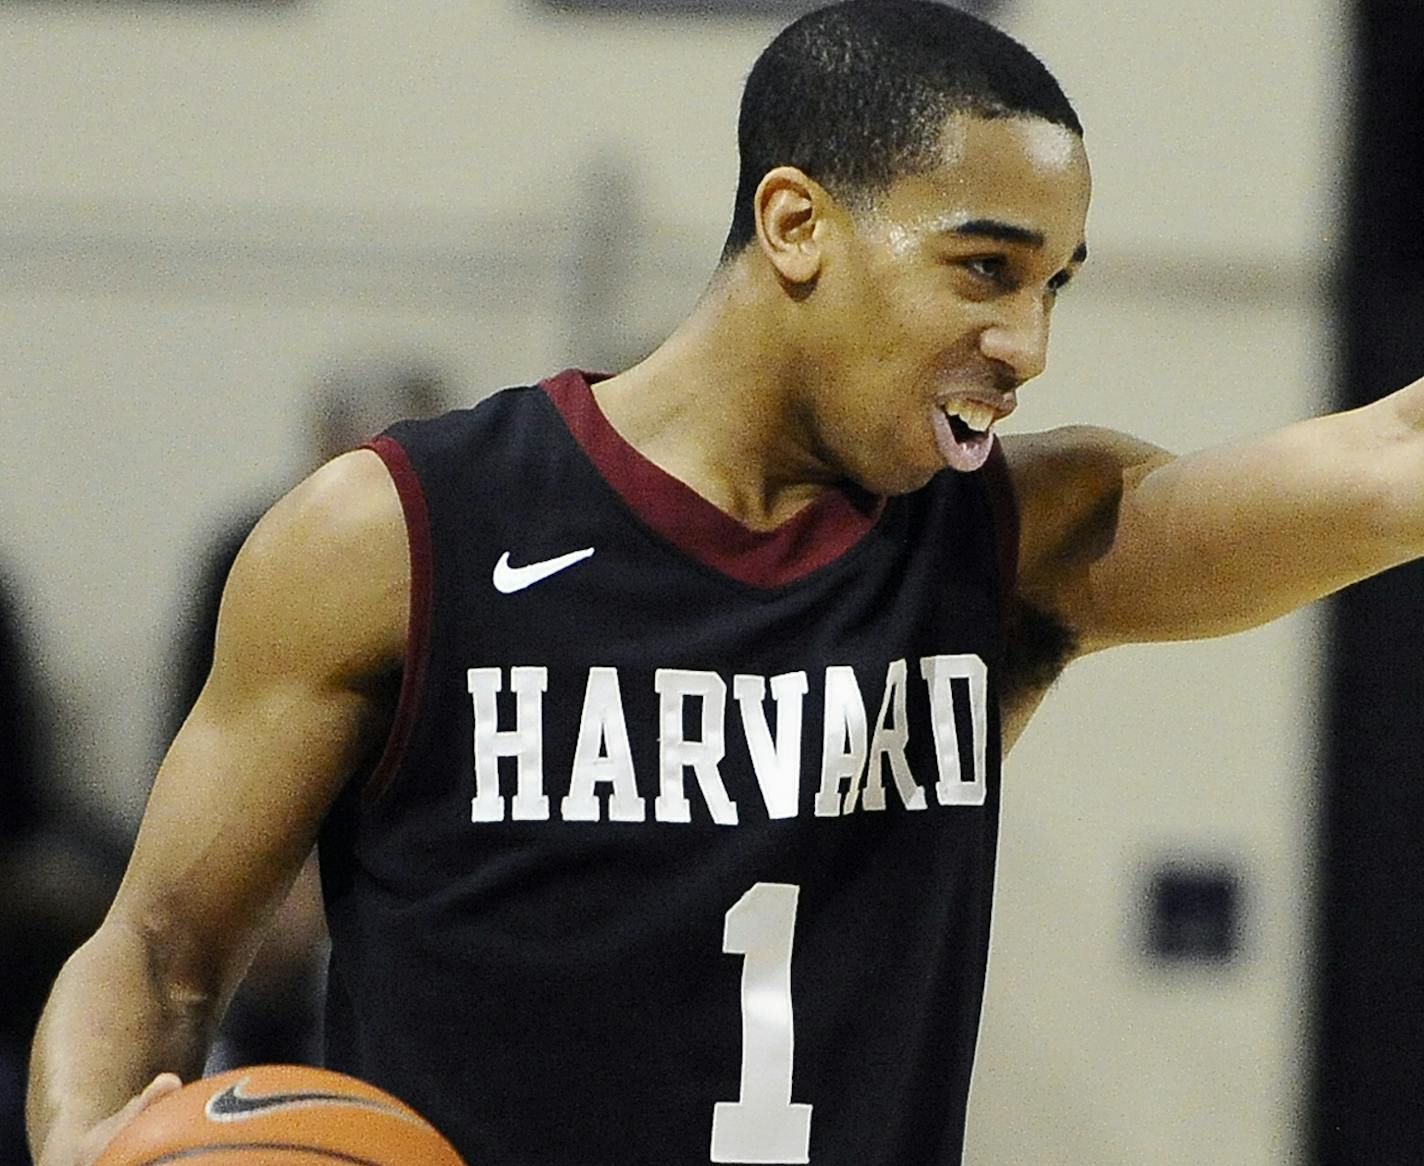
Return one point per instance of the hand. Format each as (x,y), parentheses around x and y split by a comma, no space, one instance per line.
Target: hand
(82,1151)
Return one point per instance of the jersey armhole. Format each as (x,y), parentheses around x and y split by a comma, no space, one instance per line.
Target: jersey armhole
(1004,510)
(417,645)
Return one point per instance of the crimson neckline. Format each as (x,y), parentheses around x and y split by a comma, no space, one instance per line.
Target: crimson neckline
(813,537)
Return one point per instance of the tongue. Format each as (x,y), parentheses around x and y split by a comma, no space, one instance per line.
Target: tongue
(964,455)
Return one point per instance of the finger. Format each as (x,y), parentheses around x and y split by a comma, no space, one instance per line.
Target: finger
(160,1086)
(105,1132)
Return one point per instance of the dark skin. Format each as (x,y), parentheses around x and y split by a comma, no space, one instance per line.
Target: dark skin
(825,351)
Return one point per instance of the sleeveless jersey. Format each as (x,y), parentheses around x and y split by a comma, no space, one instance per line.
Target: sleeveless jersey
(682,847)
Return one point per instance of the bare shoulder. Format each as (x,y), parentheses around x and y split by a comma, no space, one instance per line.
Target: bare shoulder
(1068,485)
(323,580)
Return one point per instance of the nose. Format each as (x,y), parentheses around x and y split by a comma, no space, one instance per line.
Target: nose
(1018,339)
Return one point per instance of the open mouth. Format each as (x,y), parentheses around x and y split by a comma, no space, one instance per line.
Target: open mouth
(963,432)
(968,419)
(961,429)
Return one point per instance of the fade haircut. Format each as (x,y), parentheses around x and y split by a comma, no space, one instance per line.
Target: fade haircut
(856,95)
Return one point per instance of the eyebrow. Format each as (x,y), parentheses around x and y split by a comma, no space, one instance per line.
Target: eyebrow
(1008,233)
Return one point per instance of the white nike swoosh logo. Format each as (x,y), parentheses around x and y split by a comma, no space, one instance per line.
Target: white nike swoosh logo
(508,580)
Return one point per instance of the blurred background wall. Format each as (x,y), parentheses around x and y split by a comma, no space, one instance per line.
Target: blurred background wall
(206,207)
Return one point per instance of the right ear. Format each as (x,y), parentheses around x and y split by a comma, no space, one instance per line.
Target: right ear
(791,211)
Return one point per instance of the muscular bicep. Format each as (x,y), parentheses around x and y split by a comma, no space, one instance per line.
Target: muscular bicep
(1132,544)
(309,641)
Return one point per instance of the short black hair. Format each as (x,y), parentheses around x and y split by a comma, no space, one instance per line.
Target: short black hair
(856,95)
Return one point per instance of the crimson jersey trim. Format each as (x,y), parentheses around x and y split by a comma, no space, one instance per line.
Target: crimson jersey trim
(417,647)
(813,537)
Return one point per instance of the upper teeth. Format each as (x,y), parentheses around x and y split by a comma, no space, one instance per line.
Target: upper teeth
(978,417)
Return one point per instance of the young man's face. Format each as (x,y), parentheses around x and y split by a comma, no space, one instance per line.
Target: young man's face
(936,304)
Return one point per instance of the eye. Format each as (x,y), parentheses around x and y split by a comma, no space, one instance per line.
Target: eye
(991,267)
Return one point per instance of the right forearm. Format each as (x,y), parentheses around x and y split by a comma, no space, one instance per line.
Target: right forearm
(109,1028)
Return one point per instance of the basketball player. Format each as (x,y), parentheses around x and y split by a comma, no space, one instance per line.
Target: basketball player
(651,725)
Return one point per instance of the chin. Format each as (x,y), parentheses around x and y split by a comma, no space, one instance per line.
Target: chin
(902,479)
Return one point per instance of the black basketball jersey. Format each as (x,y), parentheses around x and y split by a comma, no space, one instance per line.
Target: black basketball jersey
(682,848)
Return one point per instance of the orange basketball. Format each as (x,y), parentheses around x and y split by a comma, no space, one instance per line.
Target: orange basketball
(279,1115)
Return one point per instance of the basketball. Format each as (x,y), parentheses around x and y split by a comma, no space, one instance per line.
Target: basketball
(279,1115)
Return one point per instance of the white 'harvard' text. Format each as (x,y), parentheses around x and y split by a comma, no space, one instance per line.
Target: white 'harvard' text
(854,752)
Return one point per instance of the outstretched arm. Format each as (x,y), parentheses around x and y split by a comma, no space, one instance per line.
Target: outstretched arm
(1123,542)
(310,634)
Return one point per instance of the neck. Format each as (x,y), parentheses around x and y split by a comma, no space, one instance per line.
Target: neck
(718,405)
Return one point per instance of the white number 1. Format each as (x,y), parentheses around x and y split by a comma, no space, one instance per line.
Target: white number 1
(764,1124)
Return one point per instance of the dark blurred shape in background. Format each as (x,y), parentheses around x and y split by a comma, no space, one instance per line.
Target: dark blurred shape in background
(57,871)
(1368,1103)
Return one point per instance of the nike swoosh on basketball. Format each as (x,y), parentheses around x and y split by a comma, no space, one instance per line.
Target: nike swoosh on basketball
(508,580)
(232,1104)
